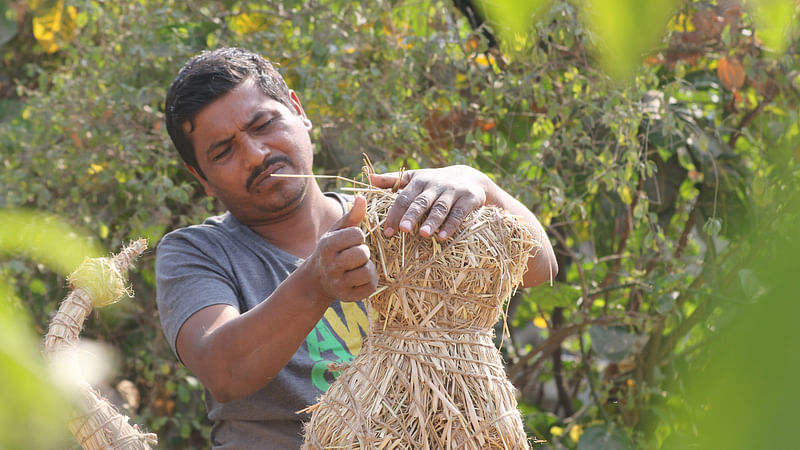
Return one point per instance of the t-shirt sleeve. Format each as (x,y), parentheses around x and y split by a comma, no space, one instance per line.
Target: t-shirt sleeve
(191,274)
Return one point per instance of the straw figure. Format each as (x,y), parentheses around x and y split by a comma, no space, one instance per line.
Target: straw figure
(429,375)
(97,282)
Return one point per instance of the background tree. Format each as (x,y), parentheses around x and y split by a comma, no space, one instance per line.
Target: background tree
(653,168)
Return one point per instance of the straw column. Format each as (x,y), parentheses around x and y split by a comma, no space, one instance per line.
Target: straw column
(96,283)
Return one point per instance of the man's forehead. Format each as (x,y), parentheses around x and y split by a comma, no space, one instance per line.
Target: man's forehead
(241,104)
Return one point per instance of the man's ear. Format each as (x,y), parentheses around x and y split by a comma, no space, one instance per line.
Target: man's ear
(202,180)
(298,107)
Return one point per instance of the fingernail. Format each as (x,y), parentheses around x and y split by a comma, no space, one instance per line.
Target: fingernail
(388,231)
(405,225)
(425,230)
(442,235)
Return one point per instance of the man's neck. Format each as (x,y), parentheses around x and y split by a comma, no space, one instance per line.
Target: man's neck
(300,230)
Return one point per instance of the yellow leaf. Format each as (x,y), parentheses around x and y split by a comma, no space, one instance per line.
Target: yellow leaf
(556,431)
(539,322)
(575,433)
(625,194)
(95,168)
(55,25)
(248,23)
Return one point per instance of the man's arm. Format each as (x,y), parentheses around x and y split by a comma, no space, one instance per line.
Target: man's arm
(235,354)
(440,199)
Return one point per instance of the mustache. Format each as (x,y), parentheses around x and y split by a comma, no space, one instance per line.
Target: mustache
(264,166)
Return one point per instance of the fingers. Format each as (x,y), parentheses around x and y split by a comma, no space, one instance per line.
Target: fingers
(342,263)
(437,211)
(436,200)
(437,214)
(410,198)
(353,217)
(354,257)
(358,283)
(390,179)
(458,212)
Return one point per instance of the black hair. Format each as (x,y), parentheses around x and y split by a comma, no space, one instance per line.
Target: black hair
(209,76)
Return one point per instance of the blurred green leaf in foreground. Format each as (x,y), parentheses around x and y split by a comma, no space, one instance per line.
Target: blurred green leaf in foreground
(749,388)
(34,410)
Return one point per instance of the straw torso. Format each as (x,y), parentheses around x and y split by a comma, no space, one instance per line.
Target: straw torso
(429,375)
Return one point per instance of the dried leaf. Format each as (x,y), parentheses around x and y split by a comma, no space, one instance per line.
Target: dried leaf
(730,72)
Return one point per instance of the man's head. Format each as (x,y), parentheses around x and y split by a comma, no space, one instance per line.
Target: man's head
(209,76)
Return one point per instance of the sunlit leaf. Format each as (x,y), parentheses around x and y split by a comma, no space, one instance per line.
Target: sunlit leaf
(539,322)
(54,25)
(558,295)
(33,413)
(45,239)
(512,19)
(775,21)
(625,30)
(247,23)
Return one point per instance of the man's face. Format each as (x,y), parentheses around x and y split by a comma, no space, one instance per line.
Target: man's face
(240,140)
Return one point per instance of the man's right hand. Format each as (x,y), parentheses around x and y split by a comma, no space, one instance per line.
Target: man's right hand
(340,264)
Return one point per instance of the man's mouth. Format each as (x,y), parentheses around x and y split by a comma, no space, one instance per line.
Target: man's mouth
(263,176)
(263,172)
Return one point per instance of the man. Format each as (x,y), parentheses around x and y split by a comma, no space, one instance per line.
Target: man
(258,301)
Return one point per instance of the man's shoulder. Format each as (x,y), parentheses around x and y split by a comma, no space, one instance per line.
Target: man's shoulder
(344,199)
(212,229)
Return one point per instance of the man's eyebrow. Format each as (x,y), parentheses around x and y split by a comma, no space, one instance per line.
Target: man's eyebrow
(218,144)
(256,117)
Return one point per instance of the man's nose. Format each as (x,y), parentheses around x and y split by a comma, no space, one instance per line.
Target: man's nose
(255,152)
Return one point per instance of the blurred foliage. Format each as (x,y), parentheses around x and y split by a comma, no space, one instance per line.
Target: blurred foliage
(36,399)
(34,411)
(651,148)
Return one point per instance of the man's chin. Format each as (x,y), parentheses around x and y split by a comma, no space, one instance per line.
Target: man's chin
(276,210)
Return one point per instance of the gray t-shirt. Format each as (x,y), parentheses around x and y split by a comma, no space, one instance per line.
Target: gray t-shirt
(224,262)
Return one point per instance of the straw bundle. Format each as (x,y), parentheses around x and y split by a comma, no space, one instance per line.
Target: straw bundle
(429,375)
(97,282)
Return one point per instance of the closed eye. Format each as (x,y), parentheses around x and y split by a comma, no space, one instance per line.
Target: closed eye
(264,125)
(220,155)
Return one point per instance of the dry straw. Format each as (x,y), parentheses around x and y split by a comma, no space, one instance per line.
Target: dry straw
(429,375)
(97,282)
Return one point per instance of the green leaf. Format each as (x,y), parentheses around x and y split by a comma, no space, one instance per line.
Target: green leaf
(625,30)
(34,410)
(8,24)
(183,394)
(752,287)
(774,21)
(559,295)
(612,343)
(512,19)
(45,239)
(598,437)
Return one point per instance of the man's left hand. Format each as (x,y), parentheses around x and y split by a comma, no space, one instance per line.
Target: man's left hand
(437,200)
